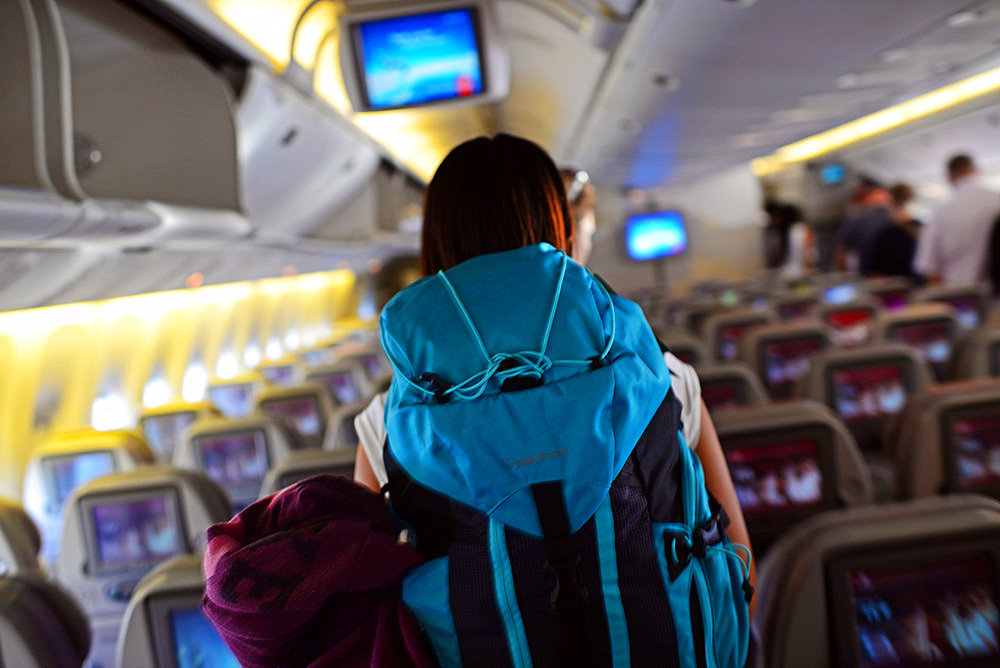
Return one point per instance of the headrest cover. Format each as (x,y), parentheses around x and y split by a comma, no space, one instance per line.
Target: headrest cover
(531,313)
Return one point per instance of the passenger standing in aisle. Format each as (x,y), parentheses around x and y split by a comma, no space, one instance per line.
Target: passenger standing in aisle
(953,248)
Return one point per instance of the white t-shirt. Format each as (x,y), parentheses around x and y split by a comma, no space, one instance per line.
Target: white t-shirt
(370,423)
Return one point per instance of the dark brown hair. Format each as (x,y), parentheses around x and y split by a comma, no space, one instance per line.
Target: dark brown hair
(960,165)
(492,195)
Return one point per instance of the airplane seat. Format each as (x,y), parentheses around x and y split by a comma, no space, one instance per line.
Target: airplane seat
(371,357)
(850,320)
(304,410)
(780,353)
(889,292)
(971,302)
(723,331)
(793,304)
(979,354)
(865,386)
(285,372)
(340,431)
(346,381)
(730,385)
(850,587)
(164,626)
(20,540)
(236,454)
(301,465)
(687,347)
(236,397)
(66,460)
(41,626)
(118,527)
(930,328)
(947,440)
(790,461)
(164,425)
(693,312)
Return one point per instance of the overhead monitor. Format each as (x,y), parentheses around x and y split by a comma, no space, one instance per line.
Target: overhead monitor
(66,472)
(237,460)
(341,385)
(931,338)
(133,531)
(972,447)
(723,394)
(787,360)
(162,431)
(410,54)
(917,605)
(234,400)
(832,174)
(868,392)
(183,637)
(301,413)
(650,236)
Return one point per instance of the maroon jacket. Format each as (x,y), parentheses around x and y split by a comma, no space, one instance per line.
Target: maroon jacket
(309,577)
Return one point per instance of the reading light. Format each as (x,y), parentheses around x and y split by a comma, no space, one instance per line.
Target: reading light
(879,122)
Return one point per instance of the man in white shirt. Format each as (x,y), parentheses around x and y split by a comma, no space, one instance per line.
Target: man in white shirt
(953,247)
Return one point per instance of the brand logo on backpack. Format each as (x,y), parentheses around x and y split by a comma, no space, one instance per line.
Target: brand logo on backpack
(541,457)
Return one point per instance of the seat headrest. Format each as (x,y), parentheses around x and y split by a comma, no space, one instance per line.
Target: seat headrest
(47,628)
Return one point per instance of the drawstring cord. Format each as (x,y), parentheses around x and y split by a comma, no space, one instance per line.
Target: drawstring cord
(527,362)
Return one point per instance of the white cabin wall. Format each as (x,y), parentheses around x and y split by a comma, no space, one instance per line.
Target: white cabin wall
(723,212)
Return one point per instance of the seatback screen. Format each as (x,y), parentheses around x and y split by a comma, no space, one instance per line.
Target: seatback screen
(840,294)
(931,339)
(891,300)
(372,364)
(340,384)
(723,394)
(850,326)
(136,532)
(729,338)
(196,643)
(976,448)
(282,375)
(926,613)
(233,401)
(66,472)
(796,309)
(777,476)
(966,310)
(787,361)
(869,392)
(348,433)
(301,414)
(162,431)
(238,461)
(417,59)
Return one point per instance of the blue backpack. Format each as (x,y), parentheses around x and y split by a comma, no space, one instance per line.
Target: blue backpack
(534,451)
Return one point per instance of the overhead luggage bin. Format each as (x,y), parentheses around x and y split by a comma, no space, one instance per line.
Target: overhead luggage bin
(66,461)
(120,526)
(847,588)
(789,462)
(41,626)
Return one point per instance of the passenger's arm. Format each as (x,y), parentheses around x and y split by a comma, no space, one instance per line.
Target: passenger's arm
(720,484)
(364,475)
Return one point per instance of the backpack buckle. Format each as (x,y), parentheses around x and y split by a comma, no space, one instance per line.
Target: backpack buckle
(569,590)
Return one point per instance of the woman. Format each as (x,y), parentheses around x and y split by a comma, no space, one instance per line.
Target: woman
(502,194)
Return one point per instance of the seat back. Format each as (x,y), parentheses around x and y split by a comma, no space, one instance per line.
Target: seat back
(236,397)
(118,527)
(346,381)
(305,410)
(301,465)
(723,331)
(850,321)
(286,372)
(164,425)
(889,292)
(793,304)
(780,354)
(979,354)
(865,385)
(65,461)
(730,385)
(164,621)
(340,431)
(686,346)
(371,358)
(20,541)
(790,461)
(971,302)
(946,440)
(41,625)
(930,328)
(234,453)
(854,587)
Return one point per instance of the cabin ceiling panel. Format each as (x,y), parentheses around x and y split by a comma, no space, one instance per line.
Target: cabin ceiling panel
(757,61)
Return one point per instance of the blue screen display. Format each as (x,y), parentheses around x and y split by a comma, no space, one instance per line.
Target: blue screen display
(653,235)
(197,643)
(831,175)
(421,58)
